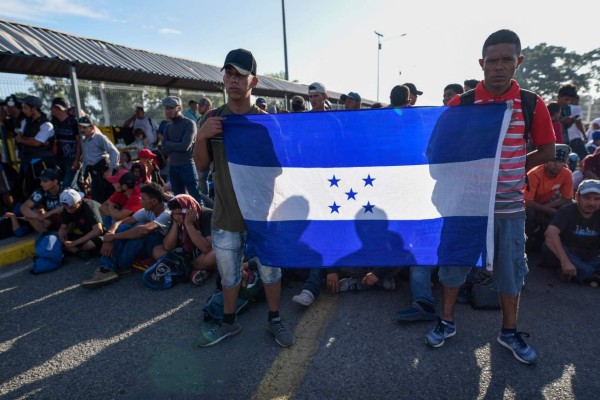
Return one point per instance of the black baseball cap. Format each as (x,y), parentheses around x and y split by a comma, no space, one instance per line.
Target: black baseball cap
(413,89)
(86,121)
(49,175)
(242,60)
(61,103)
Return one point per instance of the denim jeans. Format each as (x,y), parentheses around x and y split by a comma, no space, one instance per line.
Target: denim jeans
(314,280)
(184,178)
(67,173)
(203,182)
(420,284)
(127,250)
(577,146)
(229,250)
(587,262)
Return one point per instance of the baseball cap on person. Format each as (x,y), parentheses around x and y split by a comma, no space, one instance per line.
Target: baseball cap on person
(242,60)
(49,175)
(145,153)
(32,101)
(261,101)
(61,103)
(353,95)
(121,177)
(413,89)
(561,152)
(171,102)
(86,121)
(595,135)
(317,87)
(589,186)
(70,197)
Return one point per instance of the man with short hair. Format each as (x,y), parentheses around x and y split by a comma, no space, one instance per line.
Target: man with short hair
(317,95)
(450,91)
(573,236)
(68,140)
(298,104)
(470,84)
(81,224)
(228,227)
(400,96)
(501,57)
(192,112)
(99,155)
(351,101)
(414,93)
(43,208)
(132,238)
(139,120)
(177,145)
(261,103)
(37,142)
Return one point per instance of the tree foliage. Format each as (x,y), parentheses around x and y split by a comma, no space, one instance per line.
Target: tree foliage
(546,67)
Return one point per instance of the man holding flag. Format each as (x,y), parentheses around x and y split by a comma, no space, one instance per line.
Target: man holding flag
(501,57)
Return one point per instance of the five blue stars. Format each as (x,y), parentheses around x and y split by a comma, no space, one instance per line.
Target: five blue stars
(368,207)
(351,194)
(368,180)
(334,208)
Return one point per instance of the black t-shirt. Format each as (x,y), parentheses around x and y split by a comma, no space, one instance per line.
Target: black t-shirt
(204,229)
(576,231)
(45,200)
(66,134)
(85,218)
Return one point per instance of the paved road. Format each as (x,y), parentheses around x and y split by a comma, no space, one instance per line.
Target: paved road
(123,341)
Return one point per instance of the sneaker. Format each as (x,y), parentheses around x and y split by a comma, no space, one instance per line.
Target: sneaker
(283,336)
(213,334)
(199,277)
(415,313)
(305,298)
(387,283)
(100,278)
(351,285)
(521,350)
(442,331)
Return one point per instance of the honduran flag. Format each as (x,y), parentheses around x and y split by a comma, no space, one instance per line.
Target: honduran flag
(381,187)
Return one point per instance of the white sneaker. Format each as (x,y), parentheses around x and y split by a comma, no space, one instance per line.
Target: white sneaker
(305,298)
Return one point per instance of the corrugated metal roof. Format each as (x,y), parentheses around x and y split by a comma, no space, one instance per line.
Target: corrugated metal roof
(32,50)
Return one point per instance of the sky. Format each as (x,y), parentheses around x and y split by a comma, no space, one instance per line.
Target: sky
(429,43)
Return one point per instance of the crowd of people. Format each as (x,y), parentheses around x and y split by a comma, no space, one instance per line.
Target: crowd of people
(178,194)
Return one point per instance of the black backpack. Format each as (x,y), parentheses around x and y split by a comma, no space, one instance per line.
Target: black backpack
(528,102)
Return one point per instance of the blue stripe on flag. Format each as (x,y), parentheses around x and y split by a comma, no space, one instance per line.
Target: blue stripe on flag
(382,137)
(369,243)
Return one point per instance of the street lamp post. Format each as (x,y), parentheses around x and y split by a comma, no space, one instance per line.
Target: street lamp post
(287,76)
(379,36)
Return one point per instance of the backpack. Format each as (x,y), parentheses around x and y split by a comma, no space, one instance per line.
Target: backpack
(170,269)
(528,102)
(48,253)
(484,292)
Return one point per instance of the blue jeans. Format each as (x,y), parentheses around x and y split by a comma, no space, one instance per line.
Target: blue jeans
(314,280)
(203,182)
(229,250)
(577,146)
(420,284)
(67,173)
(586,261)
(127,250)
(184,178)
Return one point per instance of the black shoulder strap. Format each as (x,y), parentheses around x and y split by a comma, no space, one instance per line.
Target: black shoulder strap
(528,103)
(467,98)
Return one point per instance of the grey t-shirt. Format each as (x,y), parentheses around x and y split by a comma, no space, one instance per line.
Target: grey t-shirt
(163,220)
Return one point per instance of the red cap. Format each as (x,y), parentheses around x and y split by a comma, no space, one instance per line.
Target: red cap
(145,153)
(119,175)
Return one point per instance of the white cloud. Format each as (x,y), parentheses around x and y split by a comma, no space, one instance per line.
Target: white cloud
(168,31)
(40,10)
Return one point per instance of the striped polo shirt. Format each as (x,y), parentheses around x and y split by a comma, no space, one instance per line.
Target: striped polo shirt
(511,176)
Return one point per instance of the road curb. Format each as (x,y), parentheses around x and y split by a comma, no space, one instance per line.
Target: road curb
(17,251)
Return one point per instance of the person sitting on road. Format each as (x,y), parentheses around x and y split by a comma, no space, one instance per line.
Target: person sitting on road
(573,236)
(81,224)
(355,279)
(133,237)
(550,186)
(124,201)
(43,208)
(190,232)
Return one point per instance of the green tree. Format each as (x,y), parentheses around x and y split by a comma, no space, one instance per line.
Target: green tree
(546,67)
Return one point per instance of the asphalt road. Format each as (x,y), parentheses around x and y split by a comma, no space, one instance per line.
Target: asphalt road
(124,341)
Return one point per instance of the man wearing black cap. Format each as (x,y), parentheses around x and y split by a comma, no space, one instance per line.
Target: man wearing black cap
(37,143)
(414,93)
(351,101)
(68,140)
(43,208)
(261,103)
(228,227)
(99,156)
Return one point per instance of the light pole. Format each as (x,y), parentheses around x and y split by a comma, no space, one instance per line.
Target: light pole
(379,36)
(287,76)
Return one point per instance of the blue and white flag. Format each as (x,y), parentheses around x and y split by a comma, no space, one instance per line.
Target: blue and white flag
(386,187)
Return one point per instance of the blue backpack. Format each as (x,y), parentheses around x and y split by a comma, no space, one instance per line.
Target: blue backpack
(48,253)
(170,269)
